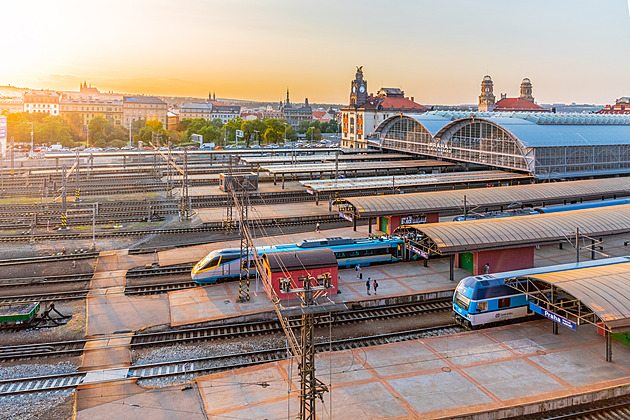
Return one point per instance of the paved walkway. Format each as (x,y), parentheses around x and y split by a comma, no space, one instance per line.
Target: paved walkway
(430,378)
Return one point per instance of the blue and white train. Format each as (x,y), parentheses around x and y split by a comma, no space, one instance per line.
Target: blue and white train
(482,301)
(225,263)
(544,210)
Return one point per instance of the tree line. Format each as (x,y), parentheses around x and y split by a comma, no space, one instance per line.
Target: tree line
(101,132)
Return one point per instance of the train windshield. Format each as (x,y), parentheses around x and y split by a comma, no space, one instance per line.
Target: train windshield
(461,301)
(209,261)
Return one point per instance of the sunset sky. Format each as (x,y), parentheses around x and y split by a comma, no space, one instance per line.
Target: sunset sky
(437,51)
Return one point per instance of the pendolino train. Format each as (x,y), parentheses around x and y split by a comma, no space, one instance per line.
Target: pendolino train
(225,263)
(544,210)
(485,300)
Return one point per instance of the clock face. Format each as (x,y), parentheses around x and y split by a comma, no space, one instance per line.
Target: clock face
(354,88)
(362,89)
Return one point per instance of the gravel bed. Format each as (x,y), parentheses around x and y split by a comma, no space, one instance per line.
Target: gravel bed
(74,329)
(43,405)
(30,370)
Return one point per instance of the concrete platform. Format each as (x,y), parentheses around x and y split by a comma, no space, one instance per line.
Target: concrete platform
(431,378)
(284,211)
(209,303)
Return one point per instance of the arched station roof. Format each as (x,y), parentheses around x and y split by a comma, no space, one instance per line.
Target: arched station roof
(604,290)
(413,203)
(519,231)
(531,128)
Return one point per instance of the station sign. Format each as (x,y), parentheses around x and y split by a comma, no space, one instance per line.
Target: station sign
(418,251)
(554,317)
(413,220)
(345,216)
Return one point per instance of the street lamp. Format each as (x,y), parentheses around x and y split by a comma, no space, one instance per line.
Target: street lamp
(32,128)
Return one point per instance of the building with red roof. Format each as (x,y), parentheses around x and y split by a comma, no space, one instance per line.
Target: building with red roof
(367,111)
(621,106)
(524,103)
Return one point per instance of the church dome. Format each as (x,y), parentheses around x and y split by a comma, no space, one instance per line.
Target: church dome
(487,78)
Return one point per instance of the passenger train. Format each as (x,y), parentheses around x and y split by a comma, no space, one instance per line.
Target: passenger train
(544,210)
(485,300)
(225,263)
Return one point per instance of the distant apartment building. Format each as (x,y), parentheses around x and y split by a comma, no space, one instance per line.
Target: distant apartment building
(42,101)
(225,113)
(366,111)
(209,111)
(270,112)
(294,115)
(621,106)
(172,119)
(11,105)
(193,110)
(144,108)
(87,109)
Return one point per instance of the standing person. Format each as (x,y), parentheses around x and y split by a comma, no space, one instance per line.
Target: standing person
(358,270)
(375,285)
(486,268)
(367,284)
(317,227)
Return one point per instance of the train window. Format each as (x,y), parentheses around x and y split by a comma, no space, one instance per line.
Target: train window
(230,258)
(462,301)
(482,306)
(504,303)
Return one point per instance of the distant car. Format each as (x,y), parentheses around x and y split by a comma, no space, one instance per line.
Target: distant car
(255,146)
(127,148)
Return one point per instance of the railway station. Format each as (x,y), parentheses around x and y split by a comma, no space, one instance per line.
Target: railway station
(145,226)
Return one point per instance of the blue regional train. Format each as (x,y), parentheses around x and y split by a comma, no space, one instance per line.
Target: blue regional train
(544,210)
(225,263)
(485,300)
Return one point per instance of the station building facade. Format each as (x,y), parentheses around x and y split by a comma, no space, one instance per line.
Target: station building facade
(366,111)
(547,145)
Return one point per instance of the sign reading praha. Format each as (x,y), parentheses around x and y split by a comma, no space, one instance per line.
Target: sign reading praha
(554,317)
(345,216)
(418,251)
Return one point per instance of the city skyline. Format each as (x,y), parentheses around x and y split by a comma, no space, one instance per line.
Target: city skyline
(573,51)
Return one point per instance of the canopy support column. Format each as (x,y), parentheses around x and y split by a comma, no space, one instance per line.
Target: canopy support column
(608,346)
(451,263)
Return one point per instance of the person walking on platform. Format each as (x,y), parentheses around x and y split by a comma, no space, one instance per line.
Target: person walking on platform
(317,227)
(375,286)
(358,270)
(367,284)
(486,269)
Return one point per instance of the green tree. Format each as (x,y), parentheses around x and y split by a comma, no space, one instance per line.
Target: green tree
(54,130)
(253,130)
(291,133)
(313,134)
(96,127)
(231,127)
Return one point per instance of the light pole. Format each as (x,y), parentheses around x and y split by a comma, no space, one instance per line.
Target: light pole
(130,121)
(32,129)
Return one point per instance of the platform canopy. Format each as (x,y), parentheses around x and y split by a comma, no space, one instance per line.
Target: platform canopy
(486,234)
(426,202)
(412,181)
(586,295)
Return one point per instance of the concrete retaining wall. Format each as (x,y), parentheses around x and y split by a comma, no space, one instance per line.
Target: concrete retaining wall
(539,407)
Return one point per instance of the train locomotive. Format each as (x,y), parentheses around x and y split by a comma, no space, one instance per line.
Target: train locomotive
(226,263)
(485,300)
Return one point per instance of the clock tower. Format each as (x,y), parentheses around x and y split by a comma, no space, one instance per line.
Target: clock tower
(358,89)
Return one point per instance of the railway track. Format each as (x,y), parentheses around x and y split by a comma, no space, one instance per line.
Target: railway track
(615,411)
(221,332)
(206,365)
(26,235)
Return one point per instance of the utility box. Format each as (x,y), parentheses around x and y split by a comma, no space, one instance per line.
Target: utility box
(238,182)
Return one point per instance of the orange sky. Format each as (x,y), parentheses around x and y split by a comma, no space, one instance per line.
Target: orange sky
(572,50)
